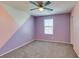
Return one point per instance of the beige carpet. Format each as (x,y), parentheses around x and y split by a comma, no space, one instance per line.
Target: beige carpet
(41,49)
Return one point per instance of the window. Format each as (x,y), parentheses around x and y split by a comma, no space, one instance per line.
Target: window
(48,26)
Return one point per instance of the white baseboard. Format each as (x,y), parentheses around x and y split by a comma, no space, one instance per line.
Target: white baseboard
(17,47)
(54,41)
(28,43)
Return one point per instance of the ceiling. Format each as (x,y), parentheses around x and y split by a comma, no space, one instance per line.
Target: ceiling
(59,7)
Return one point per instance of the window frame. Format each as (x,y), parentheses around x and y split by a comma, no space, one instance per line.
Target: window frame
(50,27)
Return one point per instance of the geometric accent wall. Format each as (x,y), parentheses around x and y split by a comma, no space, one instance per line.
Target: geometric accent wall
(7,26)
(16,28)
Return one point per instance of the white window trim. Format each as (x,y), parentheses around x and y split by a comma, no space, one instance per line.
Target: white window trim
(49,26)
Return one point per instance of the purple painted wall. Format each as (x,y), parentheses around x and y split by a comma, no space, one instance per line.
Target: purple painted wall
(23,35)
(61,28)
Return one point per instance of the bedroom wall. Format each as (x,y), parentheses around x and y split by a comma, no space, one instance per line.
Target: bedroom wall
(16,28)
(61,28)
(22,36)
(18,16)
(7,26)
(75,28)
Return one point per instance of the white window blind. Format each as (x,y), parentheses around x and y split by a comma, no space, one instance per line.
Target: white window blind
(48,26)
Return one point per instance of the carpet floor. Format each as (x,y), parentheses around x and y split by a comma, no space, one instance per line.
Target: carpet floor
(41,49)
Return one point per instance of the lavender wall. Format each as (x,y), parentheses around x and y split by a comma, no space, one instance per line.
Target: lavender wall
(23,35)
(39,28)
(61,28)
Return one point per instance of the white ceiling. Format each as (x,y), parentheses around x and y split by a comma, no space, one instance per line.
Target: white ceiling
(59,7)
